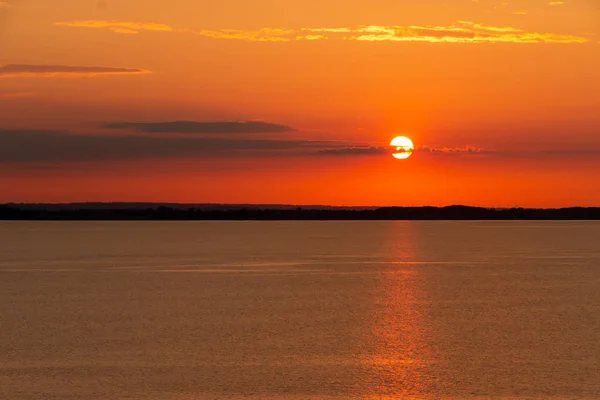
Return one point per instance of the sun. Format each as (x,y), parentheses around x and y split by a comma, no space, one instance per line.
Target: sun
(403,147)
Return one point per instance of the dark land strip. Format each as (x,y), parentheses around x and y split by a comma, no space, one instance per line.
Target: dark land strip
(174,212)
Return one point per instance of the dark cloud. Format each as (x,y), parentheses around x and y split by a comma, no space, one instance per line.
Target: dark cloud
(374,150)
(42,148)
(452,150)
(200,127)
(43,167)
(541,154)
(354,151)
(54,146)
(26,70)
(13,95)
(572,152)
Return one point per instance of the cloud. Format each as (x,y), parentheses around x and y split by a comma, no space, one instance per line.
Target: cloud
(261,35)
(118,26)
(48,146)
(201,127)
(355,151)
(572,152)
(376,150)
(538,154)
(43,167)
(128,27)
(556,3)
(35,71)
(312,37)
(453,150)
(4,3)
(41,149)
(31,146)
(14,95)
(459,32)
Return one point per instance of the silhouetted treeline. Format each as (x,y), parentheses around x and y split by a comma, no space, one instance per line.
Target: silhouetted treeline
(162,213)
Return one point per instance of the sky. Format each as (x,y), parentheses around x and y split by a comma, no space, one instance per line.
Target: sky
(296,102)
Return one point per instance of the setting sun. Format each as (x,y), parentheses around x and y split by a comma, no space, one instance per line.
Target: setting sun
(403,147)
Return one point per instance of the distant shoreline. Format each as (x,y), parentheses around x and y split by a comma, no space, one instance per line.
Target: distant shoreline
(224,212)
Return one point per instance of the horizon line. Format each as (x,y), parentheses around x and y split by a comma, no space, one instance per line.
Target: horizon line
(159,203)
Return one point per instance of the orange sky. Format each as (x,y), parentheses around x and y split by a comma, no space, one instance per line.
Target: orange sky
(500,97)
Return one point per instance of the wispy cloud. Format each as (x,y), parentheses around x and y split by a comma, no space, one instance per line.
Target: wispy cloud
(44,146)
(119,26)
(355,151)
(459,32)
(201,127)
(33,71)
(556,3)
(4,3)
(453,150)
(375,150)
(261,35)
(127,27)
(47,146)
(14,95)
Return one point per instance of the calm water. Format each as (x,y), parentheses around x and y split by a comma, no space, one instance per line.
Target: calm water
(300,310)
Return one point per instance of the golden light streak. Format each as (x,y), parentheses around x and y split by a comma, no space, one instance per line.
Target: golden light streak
(312,37)
(118,26)
(261,35)
(459,32)
(125,31)
(490,28)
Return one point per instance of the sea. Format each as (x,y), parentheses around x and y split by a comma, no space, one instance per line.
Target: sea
(300,310)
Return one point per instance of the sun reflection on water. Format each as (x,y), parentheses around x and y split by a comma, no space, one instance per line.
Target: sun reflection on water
(397,362)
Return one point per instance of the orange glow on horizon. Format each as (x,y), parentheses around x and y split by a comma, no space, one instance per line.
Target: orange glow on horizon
(501,104)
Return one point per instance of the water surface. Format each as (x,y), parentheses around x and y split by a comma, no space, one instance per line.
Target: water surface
(299,310)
